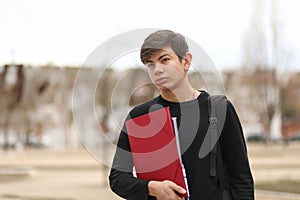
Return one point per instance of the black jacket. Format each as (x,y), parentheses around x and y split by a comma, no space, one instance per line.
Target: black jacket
(193,124)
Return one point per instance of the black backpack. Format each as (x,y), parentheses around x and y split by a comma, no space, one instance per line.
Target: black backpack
(217,105)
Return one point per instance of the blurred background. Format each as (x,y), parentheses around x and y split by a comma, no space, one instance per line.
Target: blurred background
(46,154)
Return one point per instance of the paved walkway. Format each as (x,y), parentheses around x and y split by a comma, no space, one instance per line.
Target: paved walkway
(76,175)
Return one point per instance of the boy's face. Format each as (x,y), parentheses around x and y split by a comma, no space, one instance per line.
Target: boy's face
(167,72)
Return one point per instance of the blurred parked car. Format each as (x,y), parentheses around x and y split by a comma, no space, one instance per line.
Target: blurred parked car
(256,137)
(295,137)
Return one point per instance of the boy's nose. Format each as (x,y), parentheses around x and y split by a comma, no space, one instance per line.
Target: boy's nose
(159,68)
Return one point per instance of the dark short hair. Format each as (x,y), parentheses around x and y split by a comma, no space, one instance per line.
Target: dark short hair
(160,39)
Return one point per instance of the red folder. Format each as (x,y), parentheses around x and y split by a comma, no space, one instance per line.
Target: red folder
(153,147)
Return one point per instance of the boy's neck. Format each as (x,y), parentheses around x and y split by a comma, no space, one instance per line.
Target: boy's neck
(182,94)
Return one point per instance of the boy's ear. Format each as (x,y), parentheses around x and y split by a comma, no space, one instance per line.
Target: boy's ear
(187,61)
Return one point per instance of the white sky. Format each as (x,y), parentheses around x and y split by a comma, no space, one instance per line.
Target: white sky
(67,31)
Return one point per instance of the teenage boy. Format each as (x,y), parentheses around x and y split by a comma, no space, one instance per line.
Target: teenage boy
(166,55)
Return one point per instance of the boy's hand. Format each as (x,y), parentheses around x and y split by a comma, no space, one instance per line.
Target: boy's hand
(165,190)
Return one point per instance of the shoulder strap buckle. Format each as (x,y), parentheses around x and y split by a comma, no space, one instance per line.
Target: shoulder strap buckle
(213,120)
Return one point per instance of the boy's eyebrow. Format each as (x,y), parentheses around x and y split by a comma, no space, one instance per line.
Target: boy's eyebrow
(148,61)
(160,57)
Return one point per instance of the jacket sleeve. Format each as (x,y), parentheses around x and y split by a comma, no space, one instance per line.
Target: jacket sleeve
(121,178)
(234,153)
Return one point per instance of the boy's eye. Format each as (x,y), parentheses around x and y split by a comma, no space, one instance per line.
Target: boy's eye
(150,65)
(165,60)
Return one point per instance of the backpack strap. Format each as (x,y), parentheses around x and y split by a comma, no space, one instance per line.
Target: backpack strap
(213,130)
(217,105)
(215,125)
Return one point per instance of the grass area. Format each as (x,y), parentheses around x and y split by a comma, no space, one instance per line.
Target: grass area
(292,186)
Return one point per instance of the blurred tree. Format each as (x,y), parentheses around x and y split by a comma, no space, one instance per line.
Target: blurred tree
(104,94)
(266,54)
(11,90)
